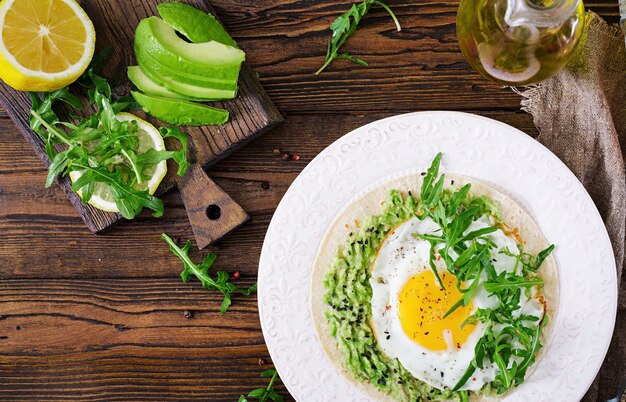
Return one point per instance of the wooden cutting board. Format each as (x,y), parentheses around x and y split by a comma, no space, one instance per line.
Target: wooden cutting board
(211,211)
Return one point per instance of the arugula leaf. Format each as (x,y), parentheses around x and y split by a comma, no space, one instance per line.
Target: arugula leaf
(152,156)
(431,263)
(504,282)
(468,256)
(431,174)
(42,107)
(101,146)
(57,166)
(345,25)
(435,193)
(54,135)
(97,63)
(457,198)
(488,268)
(501,347)
(201,272)
(541,257)
(479,352)
(267,393)
(481,315)
(529,262)
(429,237)
(478,233)
(468,295)
(128,200)
(504,376)
(529,357)
(180,157)
(439,215)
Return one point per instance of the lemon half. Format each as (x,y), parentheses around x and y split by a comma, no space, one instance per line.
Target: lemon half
(44,44)
(149,138)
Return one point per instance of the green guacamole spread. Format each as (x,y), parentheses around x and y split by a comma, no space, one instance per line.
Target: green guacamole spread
(349,294)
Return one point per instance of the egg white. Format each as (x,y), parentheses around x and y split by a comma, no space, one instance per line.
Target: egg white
(401,257)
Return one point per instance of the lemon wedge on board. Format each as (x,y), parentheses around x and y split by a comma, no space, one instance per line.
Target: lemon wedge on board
(45,45)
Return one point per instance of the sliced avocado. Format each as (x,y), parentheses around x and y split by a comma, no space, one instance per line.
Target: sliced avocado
(148,44)
(159,38)
(150,87)
(200,93)
(195,24)
(145,60)
(180,112)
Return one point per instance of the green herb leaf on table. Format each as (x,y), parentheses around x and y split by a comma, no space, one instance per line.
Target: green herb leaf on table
(220,283)
(268,393)
(345,25)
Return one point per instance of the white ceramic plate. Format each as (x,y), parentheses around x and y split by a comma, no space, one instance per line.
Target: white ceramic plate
(486,149)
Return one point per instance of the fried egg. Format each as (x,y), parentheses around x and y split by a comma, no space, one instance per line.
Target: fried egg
(408,305)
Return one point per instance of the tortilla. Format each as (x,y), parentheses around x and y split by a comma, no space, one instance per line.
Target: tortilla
(372,203)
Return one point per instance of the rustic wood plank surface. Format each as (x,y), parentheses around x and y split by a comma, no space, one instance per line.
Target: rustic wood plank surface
(87,317)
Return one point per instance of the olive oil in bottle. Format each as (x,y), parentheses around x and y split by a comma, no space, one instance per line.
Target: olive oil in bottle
(519,42)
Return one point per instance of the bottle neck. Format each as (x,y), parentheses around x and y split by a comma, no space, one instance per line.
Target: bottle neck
(540,13)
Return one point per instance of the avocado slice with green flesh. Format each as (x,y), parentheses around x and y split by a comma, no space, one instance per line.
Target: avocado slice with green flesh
(145,60)
(147,41)
(195,24)
(180,112)
(150,87)
(199,93)
(157,36)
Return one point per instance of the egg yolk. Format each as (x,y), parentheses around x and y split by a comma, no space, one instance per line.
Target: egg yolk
(422,304)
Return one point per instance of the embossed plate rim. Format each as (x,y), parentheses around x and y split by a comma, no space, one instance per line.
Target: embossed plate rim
(323,189)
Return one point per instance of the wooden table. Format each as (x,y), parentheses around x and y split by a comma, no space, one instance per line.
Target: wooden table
(104,317)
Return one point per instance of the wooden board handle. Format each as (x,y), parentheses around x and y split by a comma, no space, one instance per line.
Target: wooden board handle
(212,213)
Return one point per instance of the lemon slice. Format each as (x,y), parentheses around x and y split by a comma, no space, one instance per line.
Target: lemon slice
(149,138)
(44,44)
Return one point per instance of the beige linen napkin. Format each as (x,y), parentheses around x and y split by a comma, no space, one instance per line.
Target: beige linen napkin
(581,116)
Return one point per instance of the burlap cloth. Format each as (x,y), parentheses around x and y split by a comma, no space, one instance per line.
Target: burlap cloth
(581,116)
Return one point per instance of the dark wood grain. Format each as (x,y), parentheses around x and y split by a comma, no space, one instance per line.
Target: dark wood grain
(419,68)
(212,213)
(102,317)
(252,112)
(127,339)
